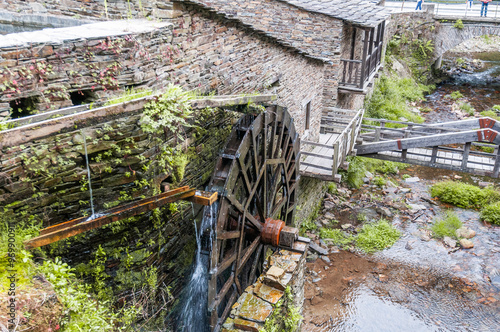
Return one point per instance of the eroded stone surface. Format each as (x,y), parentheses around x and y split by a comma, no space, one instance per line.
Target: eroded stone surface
(267,293)
(254,308)
(246,325)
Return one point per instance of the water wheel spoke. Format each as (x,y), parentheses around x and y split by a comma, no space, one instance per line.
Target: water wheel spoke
(226,235)
(223,291)
(227,261)
(255,262)
(247,253)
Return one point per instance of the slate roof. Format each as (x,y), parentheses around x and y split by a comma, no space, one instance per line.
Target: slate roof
(358,12)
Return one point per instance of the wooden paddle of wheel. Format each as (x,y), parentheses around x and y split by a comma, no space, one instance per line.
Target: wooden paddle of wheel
(257,178)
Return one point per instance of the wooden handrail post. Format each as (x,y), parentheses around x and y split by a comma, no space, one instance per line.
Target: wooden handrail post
(335,158)
(465,156)
(496,168)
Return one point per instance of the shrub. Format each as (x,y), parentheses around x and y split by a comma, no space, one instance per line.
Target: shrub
(337,236)
(378,236)
(379,181)
(458,24)
(458,193)
(491,114)
(307,226)
(358,167)
(491,213)
(447,226)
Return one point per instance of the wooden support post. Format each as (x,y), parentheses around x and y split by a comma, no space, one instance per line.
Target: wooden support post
(496,168)
(434,155)
(335,158)
(465,156)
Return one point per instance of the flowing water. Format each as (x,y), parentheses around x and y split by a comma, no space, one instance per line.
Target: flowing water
(419,284)
(193,312)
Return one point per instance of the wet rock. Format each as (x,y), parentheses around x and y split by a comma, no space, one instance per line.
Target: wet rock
(326,259)
(417,207)
(464,232)
(423,235)
(466,244)
(452,243)
(410,245)
(412,179)
(311,258)
(383,211)
(329,205)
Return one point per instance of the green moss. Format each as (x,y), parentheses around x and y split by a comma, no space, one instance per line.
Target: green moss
(464,195)
(491,213)
(331,188)
(455,95)
(378,236)
(447,226)
(459,24)
(336,236)
(285,317)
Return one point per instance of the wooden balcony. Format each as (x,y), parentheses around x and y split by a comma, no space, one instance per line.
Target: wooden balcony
(357,75)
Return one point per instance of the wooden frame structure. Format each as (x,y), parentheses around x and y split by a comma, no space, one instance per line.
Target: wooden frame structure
(358,73)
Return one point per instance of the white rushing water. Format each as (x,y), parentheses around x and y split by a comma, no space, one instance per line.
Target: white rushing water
(193,313)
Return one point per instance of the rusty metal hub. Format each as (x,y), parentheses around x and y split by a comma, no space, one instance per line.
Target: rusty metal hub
(271,231)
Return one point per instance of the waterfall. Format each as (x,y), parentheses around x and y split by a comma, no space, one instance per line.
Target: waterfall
(194,307)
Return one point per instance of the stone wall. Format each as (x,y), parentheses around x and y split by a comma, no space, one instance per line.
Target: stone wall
(315,35)
(90,9)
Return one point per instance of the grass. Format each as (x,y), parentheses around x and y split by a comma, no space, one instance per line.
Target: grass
(447,226)
(379,181)
(336,236)
(464,195)
(391,97)
(377,236)
(358,167)
(491,114)
(491,213)
(307,226)
(467,108)
(455,95)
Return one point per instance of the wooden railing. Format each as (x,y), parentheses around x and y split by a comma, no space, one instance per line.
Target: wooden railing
(335,122)
(351,73)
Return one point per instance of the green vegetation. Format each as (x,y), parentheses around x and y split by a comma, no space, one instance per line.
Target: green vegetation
(459,61)
(459,24)
(377,236)
(379,181)
(390,99)
(467,108)
(307,226)
(464,195)
(447,226)
(336,236)
(331,188)
(358,166)
(455,95)
(491,213)
(285,317)
(128,95)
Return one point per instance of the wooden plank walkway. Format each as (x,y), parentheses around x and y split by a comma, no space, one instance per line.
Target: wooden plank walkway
(320,167)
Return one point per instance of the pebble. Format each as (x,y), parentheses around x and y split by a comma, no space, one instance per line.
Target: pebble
(466,244)
(346,226)
(325,258)
(311,258)
(384,211)
(450,242)
(316,279)
(464,232)
(410,244)
(413,179)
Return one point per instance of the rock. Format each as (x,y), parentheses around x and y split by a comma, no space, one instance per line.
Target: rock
(383,278)
(314,273)
(450,242)
(311,258)
(412,179)
(404,190)
(316,279)
(346,226)
(329,216)
(348,280)
(464,232)
(417,207)
(410,244)
(275,272)
(329,205)
(326,259)
(318,249)
(466,244)
(484,184)
(38,7)
(385,212)
(423,235)
(369,175)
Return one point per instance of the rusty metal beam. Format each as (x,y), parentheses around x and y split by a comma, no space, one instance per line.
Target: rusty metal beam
(80,225)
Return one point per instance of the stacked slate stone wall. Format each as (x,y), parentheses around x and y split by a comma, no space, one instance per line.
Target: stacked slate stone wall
(315,34)
(90,9)
(46,179)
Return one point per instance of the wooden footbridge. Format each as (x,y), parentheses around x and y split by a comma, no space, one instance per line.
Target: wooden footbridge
(470,145)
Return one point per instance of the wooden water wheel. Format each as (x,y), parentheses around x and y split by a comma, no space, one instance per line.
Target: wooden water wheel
(256,177)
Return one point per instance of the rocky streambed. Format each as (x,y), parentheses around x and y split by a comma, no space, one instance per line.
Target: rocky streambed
(419,284)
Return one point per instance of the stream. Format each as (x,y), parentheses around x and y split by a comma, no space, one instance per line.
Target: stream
(420,283)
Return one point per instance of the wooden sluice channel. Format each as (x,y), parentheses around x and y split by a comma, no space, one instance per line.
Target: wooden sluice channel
(77,226)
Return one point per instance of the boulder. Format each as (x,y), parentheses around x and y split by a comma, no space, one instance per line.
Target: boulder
(452,243)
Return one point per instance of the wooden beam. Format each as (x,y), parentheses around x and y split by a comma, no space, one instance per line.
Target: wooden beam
(71,229)
(203,198)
